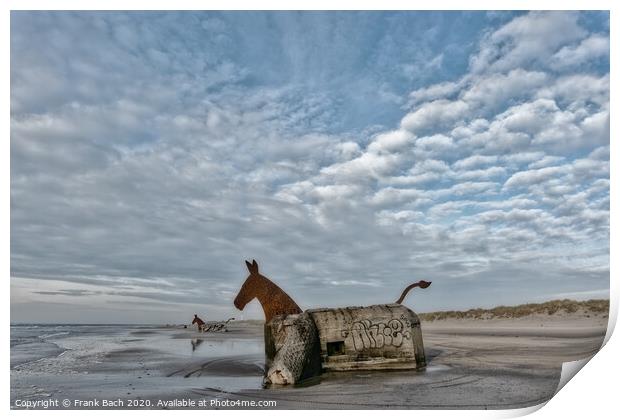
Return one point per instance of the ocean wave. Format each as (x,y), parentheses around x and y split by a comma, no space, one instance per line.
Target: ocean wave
(44,336)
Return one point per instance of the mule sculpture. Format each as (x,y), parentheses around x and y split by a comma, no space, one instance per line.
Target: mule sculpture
(199,323)
(211,326)
(299,345)
(273,299)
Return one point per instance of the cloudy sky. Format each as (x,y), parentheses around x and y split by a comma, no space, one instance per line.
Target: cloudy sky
(348,153)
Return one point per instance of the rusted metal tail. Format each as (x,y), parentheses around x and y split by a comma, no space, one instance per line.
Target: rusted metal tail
(421,284)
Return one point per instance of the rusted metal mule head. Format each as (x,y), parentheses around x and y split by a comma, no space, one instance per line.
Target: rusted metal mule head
(248,290)
(273,299)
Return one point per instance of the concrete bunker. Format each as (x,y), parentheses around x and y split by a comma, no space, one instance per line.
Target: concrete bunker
(371,337)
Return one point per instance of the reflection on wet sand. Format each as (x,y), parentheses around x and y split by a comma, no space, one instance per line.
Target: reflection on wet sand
(196,342)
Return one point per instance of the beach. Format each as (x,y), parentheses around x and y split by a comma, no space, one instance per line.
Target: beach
(472,364)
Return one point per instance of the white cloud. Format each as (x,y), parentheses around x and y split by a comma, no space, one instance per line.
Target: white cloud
(526,39)
(432,114)
(367,165)
(390,141)
(492,90)
(467,188)
(530,117)
(335,192)
(433,92)
(578,88)
(435,146)
(588,49)
(533,176)
(478,174)
(387,217)
(474,161)
(545,161)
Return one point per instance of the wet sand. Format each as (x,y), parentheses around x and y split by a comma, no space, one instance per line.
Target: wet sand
(480,364)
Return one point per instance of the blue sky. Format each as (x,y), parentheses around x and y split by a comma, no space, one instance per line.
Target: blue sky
(348,153)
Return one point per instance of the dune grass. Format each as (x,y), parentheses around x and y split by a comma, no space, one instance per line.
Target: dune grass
(593,306)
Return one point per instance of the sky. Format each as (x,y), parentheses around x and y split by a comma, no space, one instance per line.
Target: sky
(350,154)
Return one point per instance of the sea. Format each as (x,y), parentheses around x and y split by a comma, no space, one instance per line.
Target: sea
(31,342)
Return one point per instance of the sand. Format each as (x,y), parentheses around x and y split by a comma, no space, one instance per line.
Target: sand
(480,364)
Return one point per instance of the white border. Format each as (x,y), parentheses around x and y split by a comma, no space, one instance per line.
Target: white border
(593,394)
(308,5)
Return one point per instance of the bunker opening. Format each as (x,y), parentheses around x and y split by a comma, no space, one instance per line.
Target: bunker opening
(335,348)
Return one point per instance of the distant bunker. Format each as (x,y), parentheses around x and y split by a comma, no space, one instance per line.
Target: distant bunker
(303,345)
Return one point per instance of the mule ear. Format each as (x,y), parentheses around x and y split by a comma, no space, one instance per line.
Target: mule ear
(252,267)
